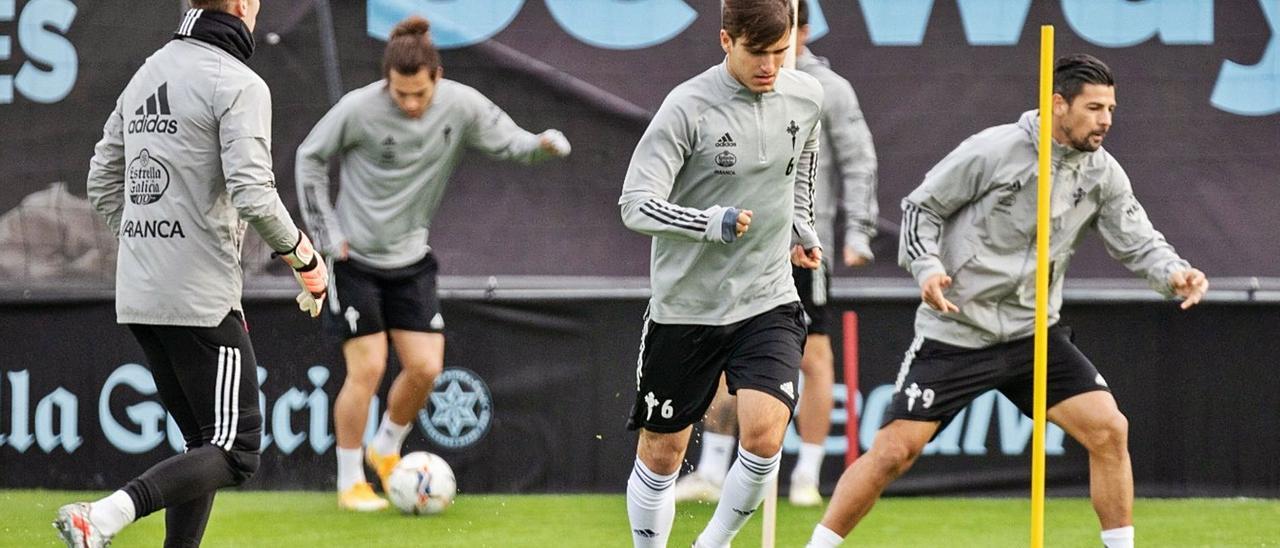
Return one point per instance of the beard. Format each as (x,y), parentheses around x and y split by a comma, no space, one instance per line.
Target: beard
(1083,144)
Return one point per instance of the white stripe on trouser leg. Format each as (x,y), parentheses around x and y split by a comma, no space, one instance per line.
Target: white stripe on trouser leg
(225,399)
(234,424)
(644,333)
(217,394)
(228,371)
(906,362)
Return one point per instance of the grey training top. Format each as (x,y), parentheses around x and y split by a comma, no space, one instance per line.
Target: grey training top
(185,155)
(848,166)
(714,148)
(394,168)
(974,219)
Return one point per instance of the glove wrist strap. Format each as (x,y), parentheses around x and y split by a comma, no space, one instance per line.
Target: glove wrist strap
(302,257)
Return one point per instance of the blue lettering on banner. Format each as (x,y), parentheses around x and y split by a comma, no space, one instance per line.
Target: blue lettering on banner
(817,22)
(611,24)
(7,8)
(966,435)
(139,431)
(20,400)
(262,405)
(454,23)
(993,23)
(66,435)
(285,438)
(317,405)
(1253,90)
(896,22)
(1122,23)
(145,415)
(42,26)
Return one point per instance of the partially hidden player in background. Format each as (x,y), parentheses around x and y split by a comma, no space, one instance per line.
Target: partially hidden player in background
(184,162)
(967,233)
(722,180)
(397,141)
(847,177)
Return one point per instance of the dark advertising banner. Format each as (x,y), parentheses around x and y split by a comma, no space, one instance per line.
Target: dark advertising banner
(536,392)
(1197,127)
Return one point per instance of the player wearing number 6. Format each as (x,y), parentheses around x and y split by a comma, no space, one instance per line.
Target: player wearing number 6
(967,233)
(722,179)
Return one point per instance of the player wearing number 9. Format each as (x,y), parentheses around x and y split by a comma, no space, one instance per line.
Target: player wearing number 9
(966,234)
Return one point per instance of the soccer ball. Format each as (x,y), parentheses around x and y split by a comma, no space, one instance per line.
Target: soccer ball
(422,483)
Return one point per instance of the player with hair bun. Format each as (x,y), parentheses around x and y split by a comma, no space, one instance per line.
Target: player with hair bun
(397,141)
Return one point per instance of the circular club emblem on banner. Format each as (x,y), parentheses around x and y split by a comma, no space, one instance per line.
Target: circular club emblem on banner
(148,179)
(459,410)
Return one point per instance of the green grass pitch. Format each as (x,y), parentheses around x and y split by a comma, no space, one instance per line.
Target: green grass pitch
(312,520)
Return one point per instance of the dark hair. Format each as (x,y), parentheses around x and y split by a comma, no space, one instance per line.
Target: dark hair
(217,5)
(1072,72)
(802,13)
(409,49)
(759,22)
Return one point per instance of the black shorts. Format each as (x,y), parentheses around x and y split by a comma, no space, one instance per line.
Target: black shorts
(814,287)
(207,378)
(364,300)
(680,365)
(937,380)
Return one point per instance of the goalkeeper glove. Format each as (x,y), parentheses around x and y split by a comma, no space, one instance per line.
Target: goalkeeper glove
(309,270)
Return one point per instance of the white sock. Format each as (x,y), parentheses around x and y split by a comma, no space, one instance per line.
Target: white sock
(1120,537)
(824,538)
(809,465)
(717,449)
(651,505)
(350,468)
(744,488)
(112,513)
(390,436)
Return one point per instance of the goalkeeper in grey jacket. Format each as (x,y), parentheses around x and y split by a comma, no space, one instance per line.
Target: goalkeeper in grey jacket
(968,237)
(183,164)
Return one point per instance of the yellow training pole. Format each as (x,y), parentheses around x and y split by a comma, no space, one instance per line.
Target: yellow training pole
(1045,190)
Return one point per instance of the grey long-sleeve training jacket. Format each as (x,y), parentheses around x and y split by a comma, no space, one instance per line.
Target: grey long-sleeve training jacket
(847,168)
(184,156)
(394,169)
(715,148)
(974,219)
